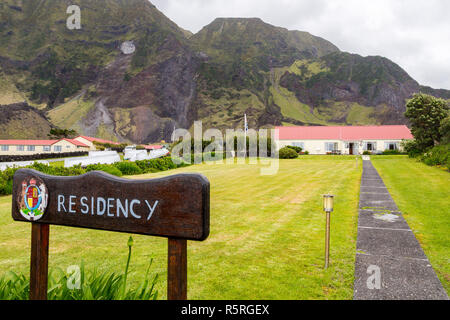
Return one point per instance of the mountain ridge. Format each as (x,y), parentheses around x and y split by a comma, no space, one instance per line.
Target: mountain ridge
(82,80)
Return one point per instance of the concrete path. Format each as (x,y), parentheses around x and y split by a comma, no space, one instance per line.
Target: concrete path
(390,263)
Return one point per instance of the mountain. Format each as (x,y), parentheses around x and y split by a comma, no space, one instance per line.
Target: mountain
(21,121)
(131,74)
(135,97)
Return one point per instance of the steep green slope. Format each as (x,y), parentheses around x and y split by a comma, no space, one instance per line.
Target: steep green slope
(21,121)
(57,62)
(83,80)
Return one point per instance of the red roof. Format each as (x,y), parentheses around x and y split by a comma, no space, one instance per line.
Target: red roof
(76,142)
(39,142)
(28,142)
(91,139)
(348,133)
(153,147)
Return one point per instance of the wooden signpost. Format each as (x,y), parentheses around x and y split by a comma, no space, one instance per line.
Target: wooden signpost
(176,207)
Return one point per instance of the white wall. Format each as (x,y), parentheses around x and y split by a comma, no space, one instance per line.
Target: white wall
(318,146)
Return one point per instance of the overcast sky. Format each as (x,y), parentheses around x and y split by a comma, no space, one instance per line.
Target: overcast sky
(413,33)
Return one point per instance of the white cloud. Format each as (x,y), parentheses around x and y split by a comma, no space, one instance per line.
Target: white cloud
(413,33)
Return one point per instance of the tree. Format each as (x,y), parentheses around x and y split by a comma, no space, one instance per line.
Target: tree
(445,130)
(425,114)
(57,133)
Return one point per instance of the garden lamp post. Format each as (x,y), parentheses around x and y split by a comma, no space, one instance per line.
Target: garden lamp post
(328,208)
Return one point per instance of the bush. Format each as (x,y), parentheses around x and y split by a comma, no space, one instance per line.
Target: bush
(118,169)
(155,165)
(438,156)
(42,156)
(367,153)
(288,153)
(128,168)
(412,148)
(296,149)
(392,152)
(111,169)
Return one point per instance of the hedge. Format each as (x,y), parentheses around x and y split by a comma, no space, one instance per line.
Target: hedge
(42,156)
(438,156)
(117,169)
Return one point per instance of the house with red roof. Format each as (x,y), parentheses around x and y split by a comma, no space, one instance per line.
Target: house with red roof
(350,140)
(30,147)
(89,141)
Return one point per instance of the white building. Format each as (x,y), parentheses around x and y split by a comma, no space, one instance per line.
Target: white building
(32,147)
(90,142)
(351,140)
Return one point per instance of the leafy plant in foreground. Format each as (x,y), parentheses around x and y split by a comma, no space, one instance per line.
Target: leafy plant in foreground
(93,285)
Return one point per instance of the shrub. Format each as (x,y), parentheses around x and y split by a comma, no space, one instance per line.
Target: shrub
(412,148)
(155,165)
(42,156)
(111,169)
(392,152)
(438,156)
(118,169)
(288,153)
(5,186)
(367,153)
(128,168)
(296,149)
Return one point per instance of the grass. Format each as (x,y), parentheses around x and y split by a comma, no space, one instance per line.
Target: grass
(266,241)
(423,195)
(69,114)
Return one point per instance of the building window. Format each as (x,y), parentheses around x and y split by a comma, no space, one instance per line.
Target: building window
(5,148)
(20,148)
(58,148)
(331,146)
(391,146)
(31,148)
(47,148)
(370,146)
(299,145)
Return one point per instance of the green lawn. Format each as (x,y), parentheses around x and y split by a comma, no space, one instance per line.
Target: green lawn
(423,195)
(266,241)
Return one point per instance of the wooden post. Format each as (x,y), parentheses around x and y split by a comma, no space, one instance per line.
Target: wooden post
(39,261)
(177,269)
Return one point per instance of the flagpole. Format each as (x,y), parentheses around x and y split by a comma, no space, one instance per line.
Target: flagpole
(245,134)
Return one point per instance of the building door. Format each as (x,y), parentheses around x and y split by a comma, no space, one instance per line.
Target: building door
(351,147)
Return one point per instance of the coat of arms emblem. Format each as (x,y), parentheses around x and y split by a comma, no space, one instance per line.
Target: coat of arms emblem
(33,200)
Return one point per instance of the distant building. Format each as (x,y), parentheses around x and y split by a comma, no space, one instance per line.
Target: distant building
(153,147)
(89,141)
(351,140)
(30,147)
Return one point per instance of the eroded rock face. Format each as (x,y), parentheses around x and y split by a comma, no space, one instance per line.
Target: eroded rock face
(128,47)
(148,106)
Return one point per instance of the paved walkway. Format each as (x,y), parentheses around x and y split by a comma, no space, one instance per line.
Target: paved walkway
(390,263)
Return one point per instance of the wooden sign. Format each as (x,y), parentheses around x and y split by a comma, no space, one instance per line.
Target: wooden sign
(176,207)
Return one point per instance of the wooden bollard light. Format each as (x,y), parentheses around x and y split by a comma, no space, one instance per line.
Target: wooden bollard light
(175,207)
(328,208)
